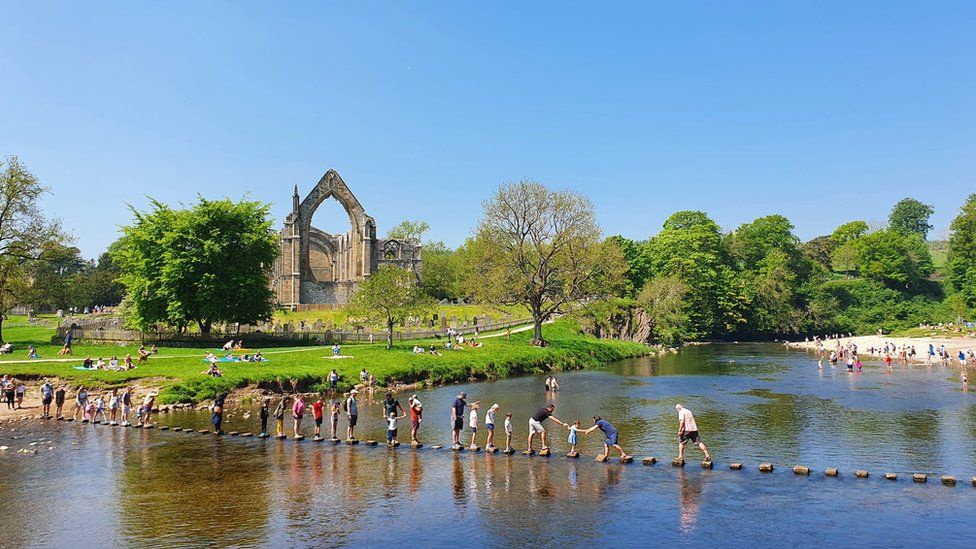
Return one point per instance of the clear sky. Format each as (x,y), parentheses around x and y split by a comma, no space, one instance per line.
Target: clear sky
(821,111)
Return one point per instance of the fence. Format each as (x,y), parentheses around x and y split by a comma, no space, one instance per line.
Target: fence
(278,338)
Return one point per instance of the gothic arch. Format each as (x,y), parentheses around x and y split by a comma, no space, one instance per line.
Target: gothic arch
(356,261)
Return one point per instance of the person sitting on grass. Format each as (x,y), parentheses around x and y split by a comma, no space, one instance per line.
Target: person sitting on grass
(6,348)
(214,371)
(228,346)
(258,357)
(154,350)
(32,352)
(433,351)
(88,363)
(128,362)
(335,349)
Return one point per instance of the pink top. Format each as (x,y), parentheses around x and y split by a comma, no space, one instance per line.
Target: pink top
(298,409)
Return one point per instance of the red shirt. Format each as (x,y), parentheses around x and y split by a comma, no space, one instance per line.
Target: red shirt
(415,413)
(317,410)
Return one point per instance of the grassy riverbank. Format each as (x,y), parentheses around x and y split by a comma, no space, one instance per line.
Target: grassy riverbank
(179,373)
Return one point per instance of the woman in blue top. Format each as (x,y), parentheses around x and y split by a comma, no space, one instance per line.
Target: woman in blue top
(610,432)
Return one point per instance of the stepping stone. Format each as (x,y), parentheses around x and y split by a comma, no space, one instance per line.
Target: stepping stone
(920,477)
(891,476)
(528,453)
(735,466)
(164,428)
(707,464)
(861,474)
(234,433)
(545,452)
(974,481)
(510,451)
(475,449)
(59,419)
(264,435)
(572,455)
(299,437)
(314,439)
(765,467)
(113,423)
(801,470)
(417,444)
(492,450)
(630,459)
(84,421)
(204,431)
(352,441)
(948,481)
(677,462)
(281,436)
(370,443)
(601,458)
(649,460)
(457,448)
(832,472)
(149,426)
(436,447)
(334,441)
(137,426)
(396,443)
(247,434)
(70,419)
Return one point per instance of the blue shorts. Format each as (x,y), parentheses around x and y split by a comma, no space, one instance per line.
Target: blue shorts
(490,426)
(611,440)
(474,429)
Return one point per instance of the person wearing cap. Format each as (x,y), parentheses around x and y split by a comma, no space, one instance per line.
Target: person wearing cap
(352,410)
(416,416)
(490,426)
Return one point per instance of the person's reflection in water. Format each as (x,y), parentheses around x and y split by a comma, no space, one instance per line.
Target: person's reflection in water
(316,468)
(457,477)
(545,489)
(614,473)
(689,490)
(416,472)
(391,473)
(573,478)
(489,474)
(508,475)
(351,474)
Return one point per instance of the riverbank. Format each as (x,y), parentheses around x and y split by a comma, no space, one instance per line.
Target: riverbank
(921,344)
(181,377)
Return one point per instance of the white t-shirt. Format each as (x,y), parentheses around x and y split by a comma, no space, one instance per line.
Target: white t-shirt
(490,417)
(689,419)
(391,423)
(473,421)
(508,425)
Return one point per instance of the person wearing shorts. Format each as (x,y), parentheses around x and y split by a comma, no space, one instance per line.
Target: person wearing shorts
(536,427)
(490,426)
(47,395)
(610,433)
(59,402)
(416,416)
(352,411)
(688,432)
(457,417)
(317,412)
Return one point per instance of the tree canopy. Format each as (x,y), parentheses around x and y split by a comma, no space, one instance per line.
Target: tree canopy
(391,295)
(205,264)
(909,216)
(409,230)
(961,257)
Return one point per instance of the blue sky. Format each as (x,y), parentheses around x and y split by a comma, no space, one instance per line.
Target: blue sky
(824,112)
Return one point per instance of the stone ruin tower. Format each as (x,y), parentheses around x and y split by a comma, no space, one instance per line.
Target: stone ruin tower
(316,269)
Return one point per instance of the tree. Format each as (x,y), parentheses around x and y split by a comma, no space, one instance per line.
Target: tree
(541,248)
(638,263)
(690,248)
(409,230)
(894,259)
(909,216)
(819,250)
(663,298)
(961,257)
(752,242)
(52,276)
(392,295)
(847,232)
(442,271)
(210,263)
(25,233)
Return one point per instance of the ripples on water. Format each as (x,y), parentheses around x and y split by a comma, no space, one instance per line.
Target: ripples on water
(753,403)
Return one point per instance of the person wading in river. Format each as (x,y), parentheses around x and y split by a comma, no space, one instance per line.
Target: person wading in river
(688,432)
(536,427)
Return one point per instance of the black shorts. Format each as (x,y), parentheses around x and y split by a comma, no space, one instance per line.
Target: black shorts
(46,400)
(352,420)
(458,424)
(318,421)
(690,436)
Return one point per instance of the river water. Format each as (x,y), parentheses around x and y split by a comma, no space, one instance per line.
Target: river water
(124,487)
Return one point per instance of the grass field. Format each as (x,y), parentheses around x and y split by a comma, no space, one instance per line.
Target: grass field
(179,372)
(461,312)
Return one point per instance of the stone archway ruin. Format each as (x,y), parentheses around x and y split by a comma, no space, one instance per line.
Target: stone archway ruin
(318,269)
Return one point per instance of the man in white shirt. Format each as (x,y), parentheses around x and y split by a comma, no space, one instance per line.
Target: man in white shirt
(688,432)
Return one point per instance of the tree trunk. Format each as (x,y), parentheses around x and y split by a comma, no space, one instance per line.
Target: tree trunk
(1,328)
(389,333)
(537,331)
(205,326)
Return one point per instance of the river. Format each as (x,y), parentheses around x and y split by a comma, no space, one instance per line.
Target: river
(754,403)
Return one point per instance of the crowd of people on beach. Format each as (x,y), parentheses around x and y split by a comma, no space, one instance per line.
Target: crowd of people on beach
(892,353)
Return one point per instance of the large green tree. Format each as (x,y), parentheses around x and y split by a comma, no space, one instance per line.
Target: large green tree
(541,248)
(909,216)
(663,298)
(895,259)
(207,264)
(961,258)
(391,295)
(25,233)
(442,275)
(409,230)
(638,263)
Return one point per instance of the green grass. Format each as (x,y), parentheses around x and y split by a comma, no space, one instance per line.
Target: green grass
(179,372)
(462,312)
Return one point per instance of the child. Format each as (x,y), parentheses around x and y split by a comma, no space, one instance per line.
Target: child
(113,407)
(317,414)
(508,431)
(99,408)
(89,412)
(334,420)
(391,428)
(473,423)
(573,436)
(263,414)
(490,426)
(279,415)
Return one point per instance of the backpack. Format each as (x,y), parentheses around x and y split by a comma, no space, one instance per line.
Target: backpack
(345,405)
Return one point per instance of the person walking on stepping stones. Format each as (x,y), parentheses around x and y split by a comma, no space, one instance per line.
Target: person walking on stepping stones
(59,402)
(297,413)
(688,432)
(317,414)
(457,417)
(610,432)
(217,415)
(352,411)
(47,395)
(279,415)
(536,427)
(263,414)
(416,416)
(393,405)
